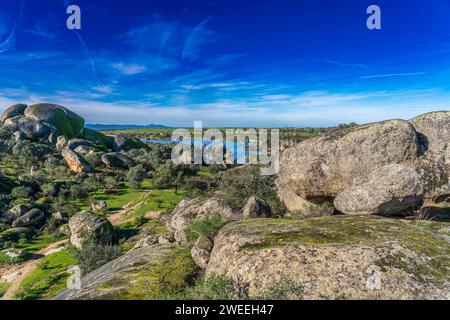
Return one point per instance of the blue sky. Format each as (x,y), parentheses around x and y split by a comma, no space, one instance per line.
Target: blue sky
(229,63)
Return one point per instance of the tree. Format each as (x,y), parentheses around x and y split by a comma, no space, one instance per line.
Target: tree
(136,175)
(110,183)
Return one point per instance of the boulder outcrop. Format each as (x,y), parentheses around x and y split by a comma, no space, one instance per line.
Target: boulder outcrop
(321,167)
(341,257)
(86,227)
(387,191)
(75,161)
(145,273)
(190,210)
(117,160)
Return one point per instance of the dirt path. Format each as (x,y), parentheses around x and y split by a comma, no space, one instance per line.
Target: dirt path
(17,275)
(121,216)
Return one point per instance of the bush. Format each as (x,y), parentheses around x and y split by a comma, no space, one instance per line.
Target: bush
(238,185)
(21,192)
(207,227)
(136,175)
(92,256)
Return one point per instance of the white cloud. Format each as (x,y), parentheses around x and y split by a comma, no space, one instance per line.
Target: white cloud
(129,69)
(389,75)
(303,109)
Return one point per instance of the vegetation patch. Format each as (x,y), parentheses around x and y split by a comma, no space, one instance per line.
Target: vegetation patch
(49,278)
(207,227)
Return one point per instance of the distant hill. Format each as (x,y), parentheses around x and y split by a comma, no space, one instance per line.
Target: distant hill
(103,127)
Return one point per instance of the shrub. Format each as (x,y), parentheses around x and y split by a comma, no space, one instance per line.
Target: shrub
(207,227)
(136,175)
(238,185)
(92,256)
(21,192)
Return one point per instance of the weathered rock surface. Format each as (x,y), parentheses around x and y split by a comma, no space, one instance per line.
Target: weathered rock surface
(324,166)
(86,226)
(117,160)
(291,201)
(29,128)
(75,161)
(61,142)
(201,251)
(434,133)
(97,138)
(13,111)
(15,234)
(341,257)
(12,214)
(33,218)
(387,191)
(65,121)
(190,210)
(72,144)
(99,205)
(124,143)
(256,208)
(146,273)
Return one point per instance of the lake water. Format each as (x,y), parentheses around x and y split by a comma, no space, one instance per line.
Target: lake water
(239,153)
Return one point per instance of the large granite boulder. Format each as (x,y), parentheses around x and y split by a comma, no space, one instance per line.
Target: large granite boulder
(124,143)
(8,216)
(434,133)
(117,160)
(145,273)
(72,144)
(13,111)
(100,140)
(33,218)
(75,161)
(201,251)
(190,210)
(88,227)
(65,121)
(318,169)
(387,191)
(61,142)
(256,208)
(340,257)
(14,234)
(29,128)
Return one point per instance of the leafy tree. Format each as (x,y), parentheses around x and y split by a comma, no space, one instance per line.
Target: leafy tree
(136,175)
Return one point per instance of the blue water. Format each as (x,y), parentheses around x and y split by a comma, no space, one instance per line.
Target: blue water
(238,154)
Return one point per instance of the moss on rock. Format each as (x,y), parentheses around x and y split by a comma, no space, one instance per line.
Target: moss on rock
(331,256)
(147,273)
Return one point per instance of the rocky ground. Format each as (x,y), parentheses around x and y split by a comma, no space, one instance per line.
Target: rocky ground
(362,213)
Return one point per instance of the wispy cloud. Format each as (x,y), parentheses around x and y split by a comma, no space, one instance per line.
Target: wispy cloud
(199,36)
(343,64)
(389,75)
(129,69)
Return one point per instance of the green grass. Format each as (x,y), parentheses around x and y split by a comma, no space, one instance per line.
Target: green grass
(206,227)
(3,287)
(38,243)
(204,173)
(6,260)
(48,279)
